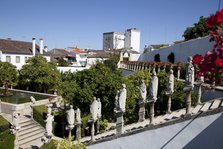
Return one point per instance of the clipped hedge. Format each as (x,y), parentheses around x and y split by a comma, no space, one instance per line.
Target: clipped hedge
(6,138)
(39,113)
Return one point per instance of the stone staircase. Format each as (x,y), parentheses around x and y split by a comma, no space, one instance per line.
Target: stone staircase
(161,120)
(29,134)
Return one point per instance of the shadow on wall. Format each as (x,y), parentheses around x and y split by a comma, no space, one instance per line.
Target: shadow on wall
(211,137)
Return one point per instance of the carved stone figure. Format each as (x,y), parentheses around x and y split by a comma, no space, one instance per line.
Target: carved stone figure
(189,73)
(116,100)
(49,122)
(78,115)
(16,119)
(153,86)
(170,83)
(122,98)
(143,92)
(70,116)
(99,108)
(33,99)
(94,109)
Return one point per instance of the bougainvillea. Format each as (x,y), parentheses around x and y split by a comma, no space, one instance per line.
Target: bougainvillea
(211,64)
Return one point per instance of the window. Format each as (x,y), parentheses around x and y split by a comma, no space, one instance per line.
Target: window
(8,59)
(26,58)
(17,59)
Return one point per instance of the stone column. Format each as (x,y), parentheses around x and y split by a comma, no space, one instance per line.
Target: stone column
(98,126)
(141,111)
(92,131)
(200,82)
(158,71)
(119,123)
(69,128)
(188,102)
(78,131)
(169,104)
(151,111)
(178,72)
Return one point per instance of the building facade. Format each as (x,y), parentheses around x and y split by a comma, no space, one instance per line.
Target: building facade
(132,39)
(18,52)
(113,40)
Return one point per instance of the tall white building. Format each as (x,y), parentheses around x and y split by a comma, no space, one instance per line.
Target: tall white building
(113,40)
(132,39)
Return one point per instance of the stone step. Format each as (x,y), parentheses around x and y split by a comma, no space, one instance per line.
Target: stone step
(179,114)
(31,134)
(30,139)
(25,124)
(197,109)
(29,130)
(206,106)
(27,127)
(215,104)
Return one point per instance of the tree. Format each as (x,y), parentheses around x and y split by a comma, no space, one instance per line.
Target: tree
(8,75)
(39,75)
(62,62)
(198,30)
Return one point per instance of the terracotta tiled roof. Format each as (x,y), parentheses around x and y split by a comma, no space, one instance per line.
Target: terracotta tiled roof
(17,47)
(100,55)
(78,51)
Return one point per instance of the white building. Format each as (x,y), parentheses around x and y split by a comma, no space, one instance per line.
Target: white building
(181,50)
(17,52)
(113,40)
(132,39)
(81,57)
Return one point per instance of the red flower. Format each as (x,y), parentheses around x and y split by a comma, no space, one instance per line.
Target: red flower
(197,59)
(219,62)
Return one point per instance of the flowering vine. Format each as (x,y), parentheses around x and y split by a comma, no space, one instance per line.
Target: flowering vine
(211,64)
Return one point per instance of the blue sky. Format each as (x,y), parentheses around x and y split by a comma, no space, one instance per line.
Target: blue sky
(81,23)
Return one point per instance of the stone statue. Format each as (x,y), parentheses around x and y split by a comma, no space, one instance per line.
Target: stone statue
(94,109)
(78,115)
(33,99)
(189,73)
(99,108)
(153,86)
(116,100)
(143,92)
(122,98)
(49,122)
(70,116)
(170,83)
(16,119)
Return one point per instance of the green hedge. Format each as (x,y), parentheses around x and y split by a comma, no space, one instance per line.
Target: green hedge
(39,112)
(4,125)
(6,138)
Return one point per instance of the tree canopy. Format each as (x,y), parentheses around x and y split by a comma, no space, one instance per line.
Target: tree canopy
(199,29)
(8,75)
(39,75)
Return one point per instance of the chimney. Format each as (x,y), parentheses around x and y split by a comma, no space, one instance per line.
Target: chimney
(34,46)
(45,48)
(41,46)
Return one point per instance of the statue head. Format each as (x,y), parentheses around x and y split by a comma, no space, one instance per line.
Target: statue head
(171,71)
(71,106)
(142,81)
(154,72)
(190,59)
(99,100)
(123,86)
(94,98)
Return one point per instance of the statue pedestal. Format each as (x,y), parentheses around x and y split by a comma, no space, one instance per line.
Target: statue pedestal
(92,130)
(169,103)
(119,123)
(200,82)
(78,131)
(188,90)
(141,111)
(69,128)
(151,111)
